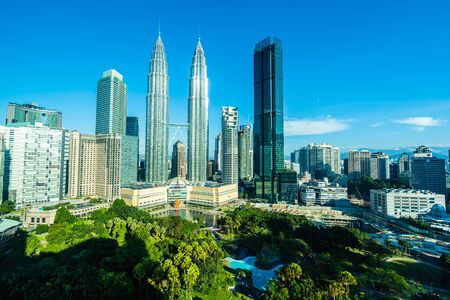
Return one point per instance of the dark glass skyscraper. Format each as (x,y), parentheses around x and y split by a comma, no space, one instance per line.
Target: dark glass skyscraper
(427,171)
(132,129)
(268,128)
(132,126)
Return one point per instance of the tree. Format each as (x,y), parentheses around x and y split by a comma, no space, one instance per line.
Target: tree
(6,207)
(117,229)
(32,245)
(289,274)
(347,279)
(41,228)
(336,289)
(63,215)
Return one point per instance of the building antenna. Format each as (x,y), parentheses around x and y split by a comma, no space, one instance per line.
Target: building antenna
(159,26)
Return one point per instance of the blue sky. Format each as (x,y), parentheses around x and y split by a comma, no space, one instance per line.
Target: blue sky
(357,74)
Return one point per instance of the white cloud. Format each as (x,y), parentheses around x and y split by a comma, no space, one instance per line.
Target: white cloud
(421,122)
(377,124)
(293,127)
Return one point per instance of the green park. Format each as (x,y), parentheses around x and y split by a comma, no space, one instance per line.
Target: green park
(125,253)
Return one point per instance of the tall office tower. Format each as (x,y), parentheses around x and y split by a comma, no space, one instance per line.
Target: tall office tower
(132,128)
(230,144)
(336,160)
(109,147)
(324,159)
(428,172)
(2,164)
(129,159)
(303,159)
(111,104)
(321,160)
(156,143)
(141,170)
(198,117)
(82,164)
(218,151)
(32,114)
(268,130)
(403,163)
(65,160)
(295,156)
(212,169)
(94,165)
(245,142)
(178,160)
(394,170)
(345,166)
(379,166)
(358,164)
(34,164)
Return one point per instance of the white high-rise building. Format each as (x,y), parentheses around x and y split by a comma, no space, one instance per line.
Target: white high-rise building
(230,144)
(35,164)
(156,147)
(198,118)
(379,166)
(318,158)
(111,114)
(358,164)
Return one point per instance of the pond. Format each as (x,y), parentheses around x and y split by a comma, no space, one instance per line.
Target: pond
(260,277)
(189,213)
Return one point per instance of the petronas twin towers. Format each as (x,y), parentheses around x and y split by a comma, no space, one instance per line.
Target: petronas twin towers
(156,147)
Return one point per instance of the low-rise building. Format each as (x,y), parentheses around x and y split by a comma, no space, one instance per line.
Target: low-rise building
(85,209)
(212,194)
(321,193)
(7,230)
(144,195)
(397,203)
(46,215)
(307,195)
(39,216)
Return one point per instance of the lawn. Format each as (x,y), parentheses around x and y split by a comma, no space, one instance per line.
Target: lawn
(422,272)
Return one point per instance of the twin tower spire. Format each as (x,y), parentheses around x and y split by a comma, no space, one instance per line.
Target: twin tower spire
(157,136)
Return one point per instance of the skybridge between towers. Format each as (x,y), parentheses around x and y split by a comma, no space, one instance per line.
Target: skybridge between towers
(178,133)
(178,125)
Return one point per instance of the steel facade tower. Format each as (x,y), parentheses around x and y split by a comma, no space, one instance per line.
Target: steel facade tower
(268,130)
(198,118)
(245,142)
(156,144)
(218,151)
(230,144)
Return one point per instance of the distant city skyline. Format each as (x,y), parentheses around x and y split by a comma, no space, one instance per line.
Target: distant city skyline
(369,77)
